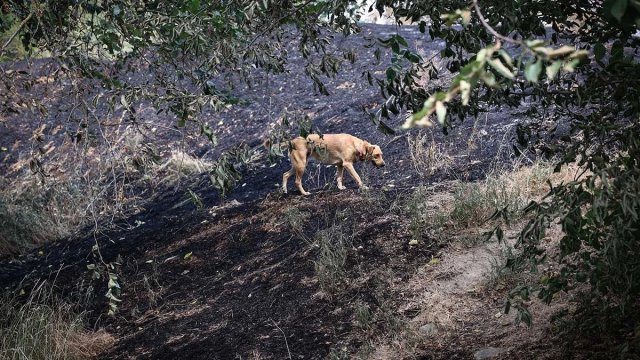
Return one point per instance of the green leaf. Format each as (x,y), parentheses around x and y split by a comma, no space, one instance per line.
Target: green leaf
(482,54)
(579,54)
(503,70)
(552,70)
(395,47)
(561,51)
(401,40)
(532,71)
(599,51)
(194,6)
(465,15)
(441,111)
(618,8)
(385,129)
(413,57)
(506,57)
(534,43)
(570,65)
(422,26)
(489,79)
(420,117)
(465,91)
(391,73)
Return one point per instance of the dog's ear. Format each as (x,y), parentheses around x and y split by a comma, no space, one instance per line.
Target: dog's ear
(370,148)
(363,150)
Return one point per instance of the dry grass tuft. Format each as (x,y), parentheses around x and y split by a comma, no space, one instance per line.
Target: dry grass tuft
(334,245)
(46,328)
(32,214)
(512,190)
(427,157)
(180,164)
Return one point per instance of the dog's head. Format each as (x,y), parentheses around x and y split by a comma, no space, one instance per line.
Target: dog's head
(374,154)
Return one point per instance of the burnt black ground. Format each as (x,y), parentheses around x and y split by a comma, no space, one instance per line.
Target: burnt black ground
(249,277)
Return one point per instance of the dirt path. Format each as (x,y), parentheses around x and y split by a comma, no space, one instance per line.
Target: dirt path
(461,302)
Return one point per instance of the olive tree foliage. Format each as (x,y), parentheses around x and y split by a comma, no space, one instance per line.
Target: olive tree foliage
(583,72)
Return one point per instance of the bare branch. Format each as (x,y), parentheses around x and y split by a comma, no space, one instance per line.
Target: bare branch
(13,36)
(491,29)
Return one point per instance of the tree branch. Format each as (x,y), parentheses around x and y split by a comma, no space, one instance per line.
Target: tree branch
(491,29)
(13,36)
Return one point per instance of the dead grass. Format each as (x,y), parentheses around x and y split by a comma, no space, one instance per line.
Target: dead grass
(474,203)
(334,244)
(48,329)
(180,165)
(427,157)
(425,212)
(52,194)
(32,214)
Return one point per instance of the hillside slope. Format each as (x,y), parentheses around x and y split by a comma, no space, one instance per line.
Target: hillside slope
(261,275)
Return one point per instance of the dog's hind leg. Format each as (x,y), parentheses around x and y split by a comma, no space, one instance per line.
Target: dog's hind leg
(299,163)
(285,178)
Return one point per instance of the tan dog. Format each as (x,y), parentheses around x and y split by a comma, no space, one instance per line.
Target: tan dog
(341,150)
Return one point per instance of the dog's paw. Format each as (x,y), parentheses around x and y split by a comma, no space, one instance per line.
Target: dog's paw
(341,187)
(306,193)
(364,187)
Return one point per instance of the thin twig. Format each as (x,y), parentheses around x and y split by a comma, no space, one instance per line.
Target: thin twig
(488,27)
(285,338)
(13,36)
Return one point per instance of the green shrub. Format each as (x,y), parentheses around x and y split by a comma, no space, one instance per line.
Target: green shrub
(599,252)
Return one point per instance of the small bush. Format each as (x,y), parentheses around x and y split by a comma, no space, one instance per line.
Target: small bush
(179,165)
(296,219)
(15,49)
(416,212)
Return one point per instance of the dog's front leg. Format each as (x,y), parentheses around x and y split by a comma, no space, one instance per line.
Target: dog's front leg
(353,173)
(339,173)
